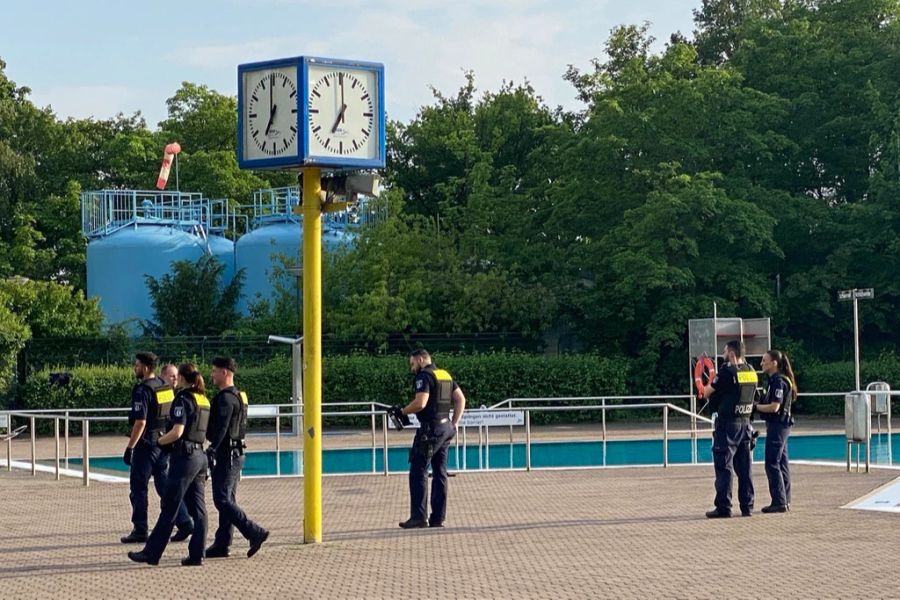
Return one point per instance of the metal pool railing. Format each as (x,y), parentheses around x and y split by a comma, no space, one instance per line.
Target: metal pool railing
(375,411)
(475,420)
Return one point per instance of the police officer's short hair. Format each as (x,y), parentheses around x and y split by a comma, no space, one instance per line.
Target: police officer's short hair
(225,362)
(420,353)
(148,359)
(736,346)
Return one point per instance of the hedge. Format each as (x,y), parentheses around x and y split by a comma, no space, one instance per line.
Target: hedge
(485,378)
(840,377)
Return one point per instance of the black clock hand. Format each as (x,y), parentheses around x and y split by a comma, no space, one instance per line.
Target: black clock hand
(340,118)
(271,101)
(343,105)
(271,118)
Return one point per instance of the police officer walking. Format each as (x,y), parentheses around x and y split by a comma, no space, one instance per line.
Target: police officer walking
(151,400)
(188,421)
(775,409)
(731,394)
(227,427)
(435,393)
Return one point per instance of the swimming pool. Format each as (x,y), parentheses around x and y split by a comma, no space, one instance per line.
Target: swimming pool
(544,454)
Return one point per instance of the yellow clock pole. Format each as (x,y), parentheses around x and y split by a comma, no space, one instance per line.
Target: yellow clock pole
(312,356)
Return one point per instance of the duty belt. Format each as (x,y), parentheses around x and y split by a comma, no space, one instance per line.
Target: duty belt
(437,421)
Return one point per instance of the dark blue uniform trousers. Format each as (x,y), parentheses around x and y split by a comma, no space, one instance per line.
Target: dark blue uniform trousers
(418,474)
(148,459)
(187,482)
(224,489)
(777,470)
(731,455)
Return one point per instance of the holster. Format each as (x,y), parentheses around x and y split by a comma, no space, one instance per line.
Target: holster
(426,442)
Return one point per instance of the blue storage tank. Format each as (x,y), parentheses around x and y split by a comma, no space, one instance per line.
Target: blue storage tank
(118,263)
(223,249)
(257,253)
(336,237)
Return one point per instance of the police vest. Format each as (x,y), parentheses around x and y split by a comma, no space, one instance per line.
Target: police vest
(196,430)
(237,427)
(161,398)
(440,396)
(738,406)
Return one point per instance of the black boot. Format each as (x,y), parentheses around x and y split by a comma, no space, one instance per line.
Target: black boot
(135,537)
(142,557)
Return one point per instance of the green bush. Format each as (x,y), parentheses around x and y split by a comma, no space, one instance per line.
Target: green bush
(485,379)
(840,377)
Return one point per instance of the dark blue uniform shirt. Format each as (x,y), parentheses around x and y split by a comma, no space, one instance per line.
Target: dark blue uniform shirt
(224,405)
(141,396)
(182,412)
(725,385)
(778,390)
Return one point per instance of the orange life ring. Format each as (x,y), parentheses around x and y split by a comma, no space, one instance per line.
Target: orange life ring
(704,373)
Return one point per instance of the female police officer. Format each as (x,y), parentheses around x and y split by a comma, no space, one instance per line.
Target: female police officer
(188,420)
(775,409)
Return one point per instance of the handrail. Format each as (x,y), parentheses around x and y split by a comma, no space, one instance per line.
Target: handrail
(375,409)
(573,398)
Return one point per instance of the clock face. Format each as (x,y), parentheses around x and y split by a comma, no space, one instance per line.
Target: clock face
(270,113)
(343,106)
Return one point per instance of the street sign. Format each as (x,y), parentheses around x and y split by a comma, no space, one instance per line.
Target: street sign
(859,294)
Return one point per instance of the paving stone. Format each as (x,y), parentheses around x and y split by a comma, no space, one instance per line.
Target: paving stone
(608,533)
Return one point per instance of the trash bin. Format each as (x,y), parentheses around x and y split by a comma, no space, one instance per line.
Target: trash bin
(857,416)
(858,424)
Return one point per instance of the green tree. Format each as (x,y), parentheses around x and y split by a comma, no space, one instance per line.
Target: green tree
(51,309)
(192,300)
(13,335)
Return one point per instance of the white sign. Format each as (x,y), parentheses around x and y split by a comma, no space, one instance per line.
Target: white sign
(262,411)
(492,418)
(859,294)
(484,418)
(885,499)
(4,421)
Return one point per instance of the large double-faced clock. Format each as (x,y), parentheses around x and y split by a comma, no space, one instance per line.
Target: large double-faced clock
(307,111)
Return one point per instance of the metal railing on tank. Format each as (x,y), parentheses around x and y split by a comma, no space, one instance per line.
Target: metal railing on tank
(103,212)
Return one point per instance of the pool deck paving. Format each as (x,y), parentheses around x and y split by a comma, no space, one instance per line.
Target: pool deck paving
(598,533)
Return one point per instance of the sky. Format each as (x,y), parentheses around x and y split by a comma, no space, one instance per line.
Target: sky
(94,58)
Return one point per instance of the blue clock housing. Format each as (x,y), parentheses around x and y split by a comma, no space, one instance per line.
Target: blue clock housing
(303,156)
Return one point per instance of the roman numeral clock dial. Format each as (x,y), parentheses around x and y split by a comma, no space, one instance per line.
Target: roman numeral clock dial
(342,112)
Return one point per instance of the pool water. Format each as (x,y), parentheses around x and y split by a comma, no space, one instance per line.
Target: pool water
(543,454)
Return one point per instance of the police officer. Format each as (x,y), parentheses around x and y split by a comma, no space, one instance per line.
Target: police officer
(227,427)
(151,400)
(188,421)
(169,374)
(731,395)
(435,393)
(775,409)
